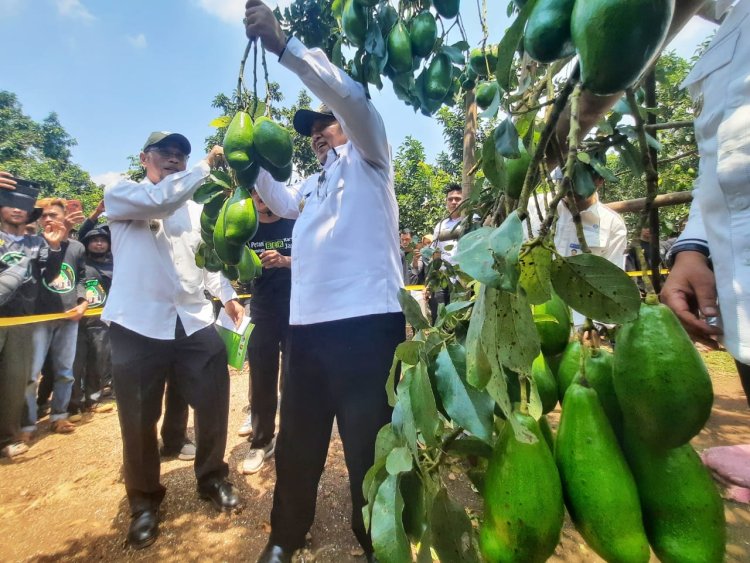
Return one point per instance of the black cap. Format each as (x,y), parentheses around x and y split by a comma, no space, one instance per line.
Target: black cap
(161,138)
(99,231)
(23,197)
(304,119)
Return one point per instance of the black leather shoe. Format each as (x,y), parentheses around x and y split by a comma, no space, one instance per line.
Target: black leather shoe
(222,494)
(144,527)
(275,554)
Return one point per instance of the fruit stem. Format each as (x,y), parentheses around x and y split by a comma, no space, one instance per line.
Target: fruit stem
(452,437)
(255,81)
(267,101)
(240,78)
(549,131)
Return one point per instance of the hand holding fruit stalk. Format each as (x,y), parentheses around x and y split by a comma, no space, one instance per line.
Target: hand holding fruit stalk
(261,23)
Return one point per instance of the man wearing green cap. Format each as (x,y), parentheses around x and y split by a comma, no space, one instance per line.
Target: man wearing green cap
(161,326)
(345,318)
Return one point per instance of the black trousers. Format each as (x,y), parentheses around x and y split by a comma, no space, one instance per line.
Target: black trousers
(15,366)
(744,372)
(140,368)
(336,369)
(268,339)
(176,412)
(93,364)
(441,295)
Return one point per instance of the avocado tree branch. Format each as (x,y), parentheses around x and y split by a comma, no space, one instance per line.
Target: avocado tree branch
(549,130)
(593,107)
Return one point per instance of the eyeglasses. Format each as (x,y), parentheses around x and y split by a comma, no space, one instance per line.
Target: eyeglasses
(167,154)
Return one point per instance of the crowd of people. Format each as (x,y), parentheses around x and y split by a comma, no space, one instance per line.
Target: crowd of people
(327,320)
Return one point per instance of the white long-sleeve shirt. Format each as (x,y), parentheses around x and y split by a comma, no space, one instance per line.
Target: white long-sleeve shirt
(346,260)
(155,232)
(720,213)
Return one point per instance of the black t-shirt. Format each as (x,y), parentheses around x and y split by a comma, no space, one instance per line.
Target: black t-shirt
(271,291)
(63,293)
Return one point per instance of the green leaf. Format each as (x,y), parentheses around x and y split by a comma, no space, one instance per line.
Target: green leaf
(402,419)
(461,45)
(584,157)
(374,43)
(412,310)
(453,535)
(604,172)
(370,485)
(509,45)
(475,258)
(505,243)
(478,370)
(511,335)
(398,461)
(408,352)
(221,122)
(631,157)
(385,442)
(469,408)
(390,384)
(596,288)
(207,192)
(545,318)
(388,536)
(259,111)
(424,407)
(457,56)
(536,263)
(222,178)
(491,110)
(456,306)
(506,139)
(583,181)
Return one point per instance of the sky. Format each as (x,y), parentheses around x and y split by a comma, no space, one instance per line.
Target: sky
(115,71)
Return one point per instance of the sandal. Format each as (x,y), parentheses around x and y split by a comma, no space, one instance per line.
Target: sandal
(63,426)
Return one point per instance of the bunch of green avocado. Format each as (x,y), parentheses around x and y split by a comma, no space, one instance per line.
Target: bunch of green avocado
(616,40)
(621,461)
(227,224)
(411,42)
(250,146)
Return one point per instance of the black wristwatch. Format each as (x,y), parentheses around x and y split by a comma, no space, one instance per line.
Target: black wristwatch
(695,247)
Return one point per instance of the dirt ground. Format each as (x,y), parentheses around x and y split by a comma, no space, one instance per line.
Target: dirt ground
(64,500)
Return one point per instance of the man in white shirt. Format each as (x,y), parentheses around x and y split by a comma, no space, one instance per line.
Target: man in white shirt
(345,318)
(712,256)
(162,326)
(446,236)
(604,229)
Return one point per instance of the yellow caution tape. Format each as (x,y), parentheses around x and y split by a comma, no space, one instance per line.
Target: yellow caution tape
(645,272)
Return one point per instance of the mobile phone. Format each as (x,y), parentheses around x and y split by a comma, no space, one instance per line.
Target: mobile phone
(72,206)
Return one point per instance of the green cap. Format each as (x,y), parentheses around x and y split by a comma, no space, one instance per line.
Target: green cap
(164,137)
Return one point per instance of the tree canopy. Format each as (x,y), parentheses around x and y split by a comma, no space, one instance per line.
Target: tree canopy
(40,151)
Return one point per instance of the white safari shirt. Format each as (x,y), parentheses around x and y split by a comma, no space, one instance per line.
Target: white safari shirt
(720,214)
(346,261)
(155,232)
